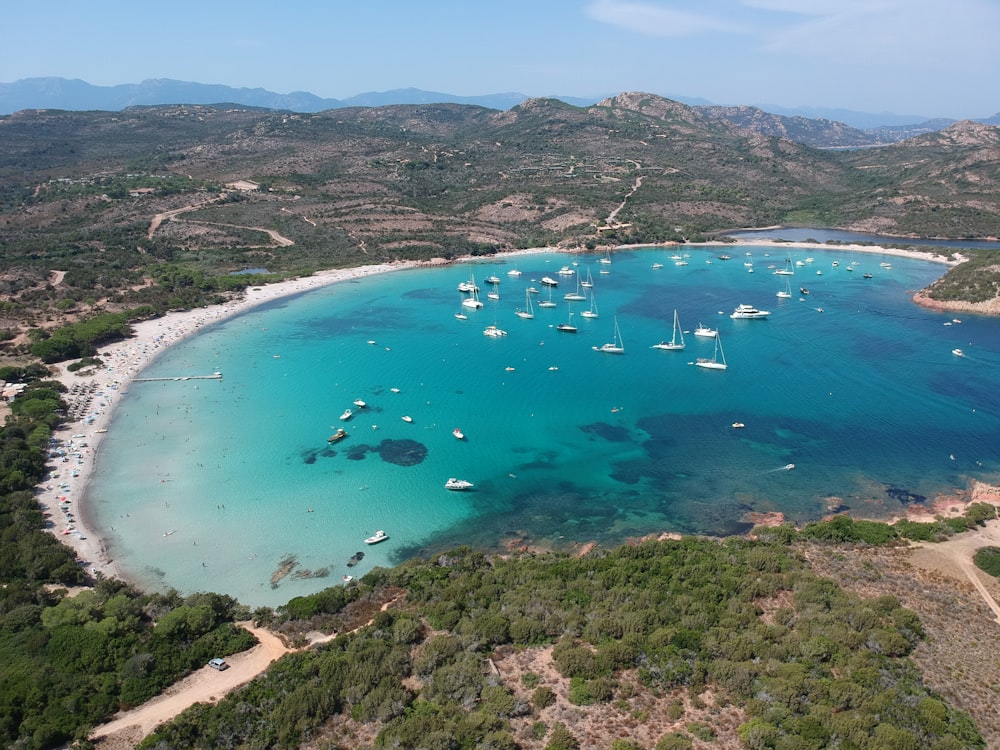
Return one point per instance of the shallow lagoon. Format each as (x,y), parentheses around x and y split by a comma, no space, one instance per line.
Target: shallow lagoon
(206,485)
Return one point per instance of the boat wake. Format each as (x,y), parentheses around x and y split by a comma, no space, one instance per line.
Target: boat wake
(786,467)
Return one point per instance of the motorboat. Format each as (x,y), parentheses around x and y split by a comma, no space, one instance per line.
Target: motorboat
(407,418)
(738,425)
(458,434)
(346,415)
(378,536)
(705,332)
(549,281)
(744,312)
(494,332)
(340,434)
(458,484)
(360,403)
(958,352)
(566,271)
(493,280)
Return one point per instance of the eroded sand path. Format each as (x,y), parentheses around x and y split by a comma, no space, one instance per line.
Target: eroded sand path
(206,685)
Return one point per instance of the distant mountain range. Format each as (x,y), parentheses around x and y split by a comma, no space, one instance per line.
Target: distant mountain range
(77,95)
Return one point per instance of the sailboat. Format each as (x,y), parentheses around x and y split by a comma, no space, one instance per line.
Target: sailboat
(568,326)
(589,281)
(592,312)
(548,302)
(615,347)
(473,301)
(787,270)
(576,296)
(528,312)
(714,363)
(676,342)
(606,260)
(494,331)
(785,293)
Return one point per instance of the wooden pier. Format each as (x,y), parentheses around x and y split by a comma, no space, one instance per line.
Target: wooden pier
(213,376)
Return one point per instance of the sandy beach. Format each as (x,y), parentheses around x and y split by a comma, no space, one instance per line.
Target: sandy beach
(94,395)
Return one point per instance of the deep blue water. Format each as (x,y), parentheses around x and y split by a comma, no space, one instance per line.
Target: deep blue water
(206,485)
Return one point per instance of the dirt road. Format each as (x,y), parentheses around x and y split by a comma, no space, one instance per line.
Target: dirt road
(206,685)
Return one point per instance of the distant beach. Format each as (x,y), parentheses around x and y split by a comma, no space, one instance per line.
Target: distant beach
(94,396)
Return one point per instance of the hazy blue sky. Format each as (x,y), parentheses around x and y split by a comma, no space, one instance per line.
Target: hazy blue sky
(926,57)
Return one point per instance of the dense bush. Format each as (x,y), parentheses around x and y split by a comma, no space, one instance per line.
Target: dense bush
(988,560)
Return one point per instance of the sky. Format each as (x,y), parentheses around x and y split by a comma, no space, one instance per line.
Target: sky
(934,58)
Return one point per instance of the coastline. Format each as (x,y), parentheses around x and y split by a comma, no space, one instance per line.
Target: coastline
(93,396)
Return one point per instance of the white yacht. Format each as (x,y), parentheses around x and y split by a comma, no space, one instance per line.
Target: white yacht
(748,312)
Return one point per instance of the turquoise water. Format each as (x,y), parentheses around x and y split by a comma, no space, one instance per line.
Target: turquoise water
(210,485)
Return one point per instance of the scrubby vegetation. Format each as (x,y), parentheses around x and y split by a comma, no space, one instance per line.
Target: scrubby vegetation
(771,652)
(79,193)
(745,623)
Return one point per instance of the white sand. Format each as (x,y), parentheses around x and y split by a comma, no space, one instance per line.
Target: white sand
(96,395)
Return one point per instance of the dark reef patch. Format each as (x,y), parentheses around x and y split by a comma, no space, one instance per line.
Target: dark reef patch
(904,496)
(399,452)
(611,433)
(402,452)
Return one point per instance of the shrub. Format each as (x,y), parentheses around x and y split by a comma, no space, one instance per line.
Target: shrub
(987,559)
(542,697)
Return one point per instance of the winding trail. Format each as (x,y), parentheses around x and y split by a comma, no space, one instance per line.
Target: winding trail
(614,214)
(158,219)
(206,685)
(954,556)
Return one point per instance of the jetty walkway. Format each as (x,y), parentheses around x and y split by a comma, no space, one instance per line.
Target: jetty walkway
(213,376)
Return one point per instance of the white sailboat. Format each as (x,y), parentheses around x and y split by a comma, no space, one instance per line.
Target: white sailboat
(589,281)
(787,270)
(606,260)
(576,296)
(615,347)
(473,301)
(592,312)
(548,302)
(785,293)
(718,360)
(528,312)
(676,342)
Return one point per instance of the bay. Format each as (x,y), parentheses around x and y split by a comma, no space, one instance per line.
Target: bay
(231,486)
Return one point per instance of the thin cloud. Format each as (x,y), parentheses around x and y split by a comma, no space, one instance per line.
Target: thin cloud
(658,20)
